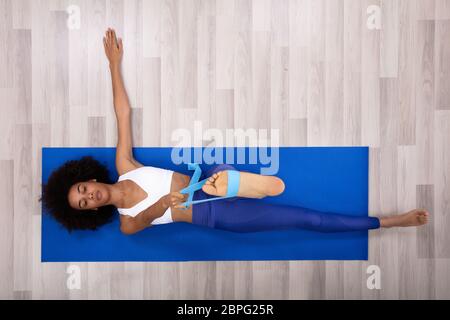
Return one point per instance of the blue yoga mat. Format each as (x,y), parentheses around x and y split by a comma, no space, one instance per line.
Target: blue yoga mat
(332,179)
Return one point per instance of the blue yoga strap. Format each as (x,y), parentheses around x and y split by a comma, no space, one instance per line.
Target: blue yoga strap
(194,185)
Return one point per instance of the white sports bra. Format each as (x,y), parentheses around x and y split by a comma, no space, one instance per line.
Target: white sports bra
(156,182)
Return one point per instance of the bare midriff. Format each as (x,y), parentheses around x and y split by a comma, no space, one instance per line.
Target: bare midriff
(180,181)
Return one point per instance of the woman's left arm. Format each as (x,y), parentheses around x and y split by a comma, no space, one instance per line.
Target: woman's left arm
(114,53)
(124,154)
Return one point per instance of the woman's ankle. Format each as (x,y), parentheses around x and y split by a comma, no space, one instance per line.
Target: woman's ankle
(387,222)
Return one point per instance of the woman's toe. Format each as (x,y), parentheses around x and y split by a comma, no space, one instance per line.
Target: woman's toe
(209,189)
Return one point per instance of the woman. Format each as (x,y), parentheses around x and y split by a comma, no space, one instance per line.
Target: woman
(80,195)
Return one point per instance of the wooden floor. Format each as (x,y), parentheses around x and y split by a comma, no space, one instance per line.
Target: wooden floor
(310,68)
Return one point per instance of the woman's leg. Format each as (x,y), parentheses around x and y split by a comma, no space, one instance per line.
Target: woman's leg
(250,215)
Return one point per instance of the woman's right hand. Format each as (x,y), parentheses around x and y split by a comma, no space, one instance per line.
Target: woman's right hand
(113,48)
(174,199)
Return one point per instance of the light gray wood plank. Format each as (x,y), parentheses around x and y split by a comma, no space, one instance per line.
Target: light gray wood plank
(22,75)
(21,14)
(389,127)
(225,280)
(442,279)
(169,70)
(40,138)
(123,17)
(7,233)
(22,295)
(151,28)
(406,200)
(222,113)
(98,77)
(225,45)
(49,279)
(6,44)
(139,57)
(99,281)
(298,58)
(137,121)
(334,76)
(59,78)
(298,79)
(426,9)
(270,280)
(442,61)
(280,23)
(257,115)
(114,18)
(261,15)
(425,234)
(246,89)
(198,280)
(425,100)
(406,103)
(162,280)
(131,60)
(441,182)
(187,41)
(279,94)
(78,125)
(41,53)
(388,206)
(374,250)
(243,280)
(334,283)
(96,131)
(206,66)
(152,281)
(316,73)
(307,280)
(126,280)
(389,39)
(442,9)
(296,132)
(9,97)
(425,272)
(78,60)
(22,207)
(370,83)
(151,102)
(354,279)
(352,73)
(82,292)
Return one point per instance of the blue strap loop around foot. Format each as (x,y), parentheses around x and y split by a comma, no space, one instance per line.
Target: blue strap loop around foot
(194,185)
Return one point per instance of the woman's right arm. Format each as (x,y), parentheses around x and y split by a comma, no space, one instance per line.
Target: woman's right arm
(124,151)
(131,225)
(114,53)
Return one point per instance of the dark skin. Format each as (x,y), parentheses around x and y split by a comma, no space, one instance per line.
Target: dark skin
(90,195)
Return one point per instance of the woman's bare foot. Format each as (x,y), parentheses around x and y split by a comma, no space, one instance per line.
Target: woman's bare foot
(250,185)
(416,217)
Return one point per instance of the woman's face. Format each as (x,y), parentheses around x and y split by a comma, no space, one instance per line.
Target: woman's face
(88,195)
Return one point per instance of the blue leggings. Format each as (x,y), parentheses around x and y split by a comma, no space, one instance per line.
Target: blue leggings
(251,215)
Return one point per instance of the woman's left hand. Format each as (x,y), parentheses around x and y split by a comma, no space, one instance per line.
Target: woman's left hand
(113,48)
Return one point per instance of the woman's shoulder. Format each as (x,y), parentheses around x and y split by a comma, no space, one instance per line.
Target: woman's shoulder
(123,166)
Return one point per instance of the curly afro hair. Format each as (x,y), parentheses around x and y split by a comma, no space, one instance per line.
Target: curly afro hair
(55,192)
